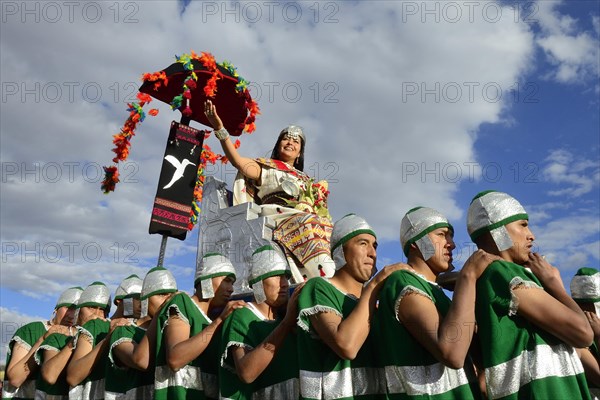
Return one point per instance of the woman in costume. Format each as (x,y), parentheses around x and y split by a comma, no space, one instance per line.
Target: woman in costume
(287,195)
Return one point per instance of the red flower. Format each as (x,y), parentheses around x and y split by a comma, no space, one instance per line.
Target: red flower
(111,178)
(146,98)
(191,83)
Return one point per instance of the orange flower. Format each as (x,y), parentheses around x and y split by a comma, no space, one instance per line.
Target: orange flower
(208,61)
(253,107)
(153,112)
(211,86)
(146,98)
(250,127)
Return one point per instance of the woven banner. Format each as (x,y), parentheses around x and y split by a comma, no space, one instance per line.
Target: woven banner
(175,192)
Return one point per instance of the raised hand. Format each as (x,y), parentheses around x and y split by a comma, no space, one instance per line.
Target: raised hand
(548,275)
(210,110)
(594,323)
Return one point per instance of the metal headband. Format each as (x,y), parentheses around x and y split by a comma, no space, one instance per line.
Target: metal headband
(130,286)
(491,211)
(69,297)
(343,230)
(264,263)
(415,226)
(210,266)
(294,132)
(213,264)
(95,295)
(585,285)
(157,281)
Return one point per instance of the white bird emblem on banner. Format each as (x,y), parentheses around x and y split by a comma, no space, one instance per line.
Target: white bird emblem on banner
(179,169)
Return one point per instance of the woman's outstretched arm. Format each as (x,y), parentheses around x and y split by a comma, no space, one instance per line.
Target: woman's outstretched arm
(247,166)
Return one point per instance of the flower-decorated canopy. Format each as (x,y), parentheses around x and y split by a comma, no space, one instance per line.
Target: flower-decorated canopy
(189,82)
(186,85)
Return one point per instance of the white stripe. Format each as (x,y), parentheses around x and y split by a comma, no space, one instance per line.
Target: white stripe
(92,390)
(418,380)
(543,362)
(26,390)
(282,390)
(348,382)
(188,377)
(40,395)
(141,393)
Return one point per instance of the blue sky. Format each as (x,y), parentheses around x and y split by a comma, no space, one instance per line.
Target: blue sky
(404,104)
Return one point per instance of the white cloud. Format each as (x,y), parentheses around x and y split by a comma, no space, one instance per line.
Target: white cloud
(543,212)
(574,53)
(580,176)
(570,242)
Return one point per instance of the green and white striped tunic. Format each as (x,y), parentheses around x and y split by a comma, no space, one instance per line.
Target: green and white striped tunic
(198,379)
(60,390)
(247,327)
(92,387)
(124,383)
(323,374)
(520,359)
(411,372)
(26,336)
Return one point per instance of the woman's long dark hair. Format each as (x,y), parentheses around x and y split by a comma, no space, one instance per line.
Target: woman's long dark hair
(299,161)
